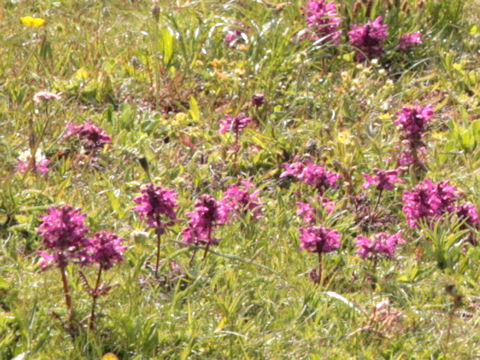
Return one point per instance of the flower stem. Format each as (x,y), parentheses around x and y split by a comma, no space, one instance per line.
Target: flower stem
(94,298)
(320,268)
(378,200)
(158,253)
(209,240)
(68,298)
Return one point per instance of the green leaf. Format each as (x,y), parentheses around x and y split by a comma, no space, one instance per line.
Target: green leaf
(194,110)
(167,46)
(468,141)
(475,128)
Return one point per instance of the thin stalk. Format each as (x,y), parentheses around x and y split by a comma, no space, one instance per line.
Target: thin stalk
(320,268)
(192,257)
(378,200)
(95,296)
(209,240)
(68,298)
(158,253)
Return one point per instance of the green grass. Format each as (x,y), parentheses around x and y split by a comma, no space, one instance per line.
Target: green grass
(160,89)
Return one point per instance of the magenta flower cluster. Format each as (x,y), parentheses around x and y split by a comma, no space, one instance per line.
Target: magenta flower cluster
(383,179)
(39,163)
(232,37)
(92,136)
(105,249)
(308,212)
(319,239)
(413,124)
(234,124)
(155,205)
(239,199)
(63,231)
(408,41)
(468,212)
(381,244)
(429,201)
(369,38)
(312,174)
(208,213)
(323,22)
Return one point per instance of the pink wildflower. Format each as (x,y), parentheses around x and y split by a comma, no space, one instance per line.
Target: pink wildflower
(207,214)
(45,96)
(469,213)
(323,21)
(63,232)
(309,212)
(92,136)
(105,249)
(319,239)
(428,201)
(383,179)
(239,199)
(379,244)
(258,99)
(294,169)
(312,174)
(413,122)
(26,162)
(232,37)
(318,177)
(369,38)
(407,41)
(236,125)
(155,203)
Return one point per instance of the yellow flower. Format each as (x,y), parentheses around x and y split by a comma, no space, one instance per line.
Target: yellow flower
(110,356)
(31,21)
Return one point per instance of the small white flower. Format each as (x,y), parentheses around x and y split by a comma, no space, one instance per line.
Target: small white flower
(42,96)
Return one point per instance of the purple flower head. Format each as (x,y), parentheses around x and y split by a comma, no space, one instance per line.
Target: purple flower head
(309,212)
(232,36)
(446,194)
(294,169)
(369,38)
(63,232)
(413,122)
(407,157)
(207,214)
(239,200)
(323,21)
(155,203)
(319,239)
(408,41)
(105,249)
(312,174)
(92,136)
(25,161)
(383,179)
(235,125)
(258,99)
(428,201)
(319,177)
(378,245)
(469,213)
(45,96)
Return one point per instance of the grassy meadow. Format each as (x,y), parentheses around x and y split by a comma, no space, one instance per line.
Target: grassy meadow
(160,79)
